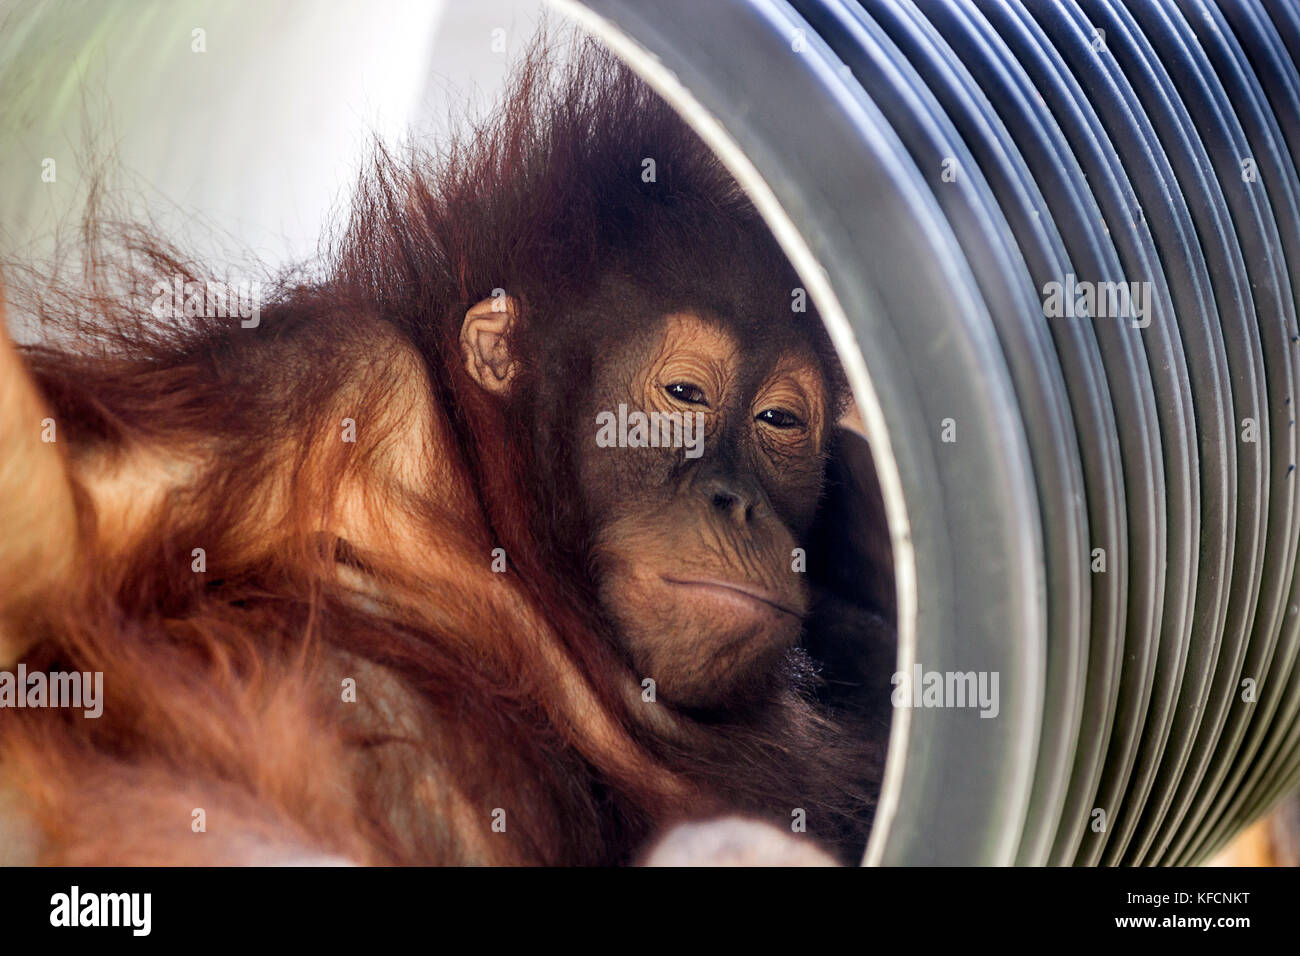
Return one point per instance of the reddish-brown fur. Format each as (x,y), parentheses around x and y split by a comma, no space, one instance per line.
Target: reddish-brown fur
(328,560)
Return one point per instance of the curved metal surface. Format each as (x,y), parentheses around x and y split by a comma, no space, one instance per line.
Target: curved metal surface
(1000,271)
(820,146)
(1149,699)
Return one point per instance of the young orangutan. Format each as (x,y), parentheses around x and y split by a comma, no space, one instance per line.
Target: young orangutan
(484,548)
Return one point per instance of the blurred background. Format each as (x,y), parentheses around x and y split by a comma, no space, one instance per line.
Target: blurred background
(237,123)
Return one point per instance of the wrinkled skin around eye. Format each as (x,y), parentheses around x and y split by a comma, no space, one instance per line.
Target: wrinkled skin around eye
(694,553)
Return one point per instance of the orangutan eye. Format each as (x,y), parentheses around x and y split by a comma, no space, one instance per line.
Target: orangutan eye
(778,418)
(685,392)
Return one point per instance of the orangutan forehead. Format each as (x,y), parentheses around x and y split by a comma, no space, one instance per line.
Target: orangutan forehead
(687,336)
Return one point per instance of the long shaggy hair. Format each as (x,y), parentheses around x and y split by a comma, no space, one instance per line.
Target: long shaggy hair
(222,688)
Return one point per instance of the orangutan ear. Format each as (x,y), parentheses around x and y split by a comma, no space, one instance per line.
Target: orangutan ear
(485,343)
(38,543)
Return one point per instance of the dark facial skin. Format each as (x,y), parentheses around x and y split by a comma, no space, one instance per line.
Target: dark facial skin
(694,555)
